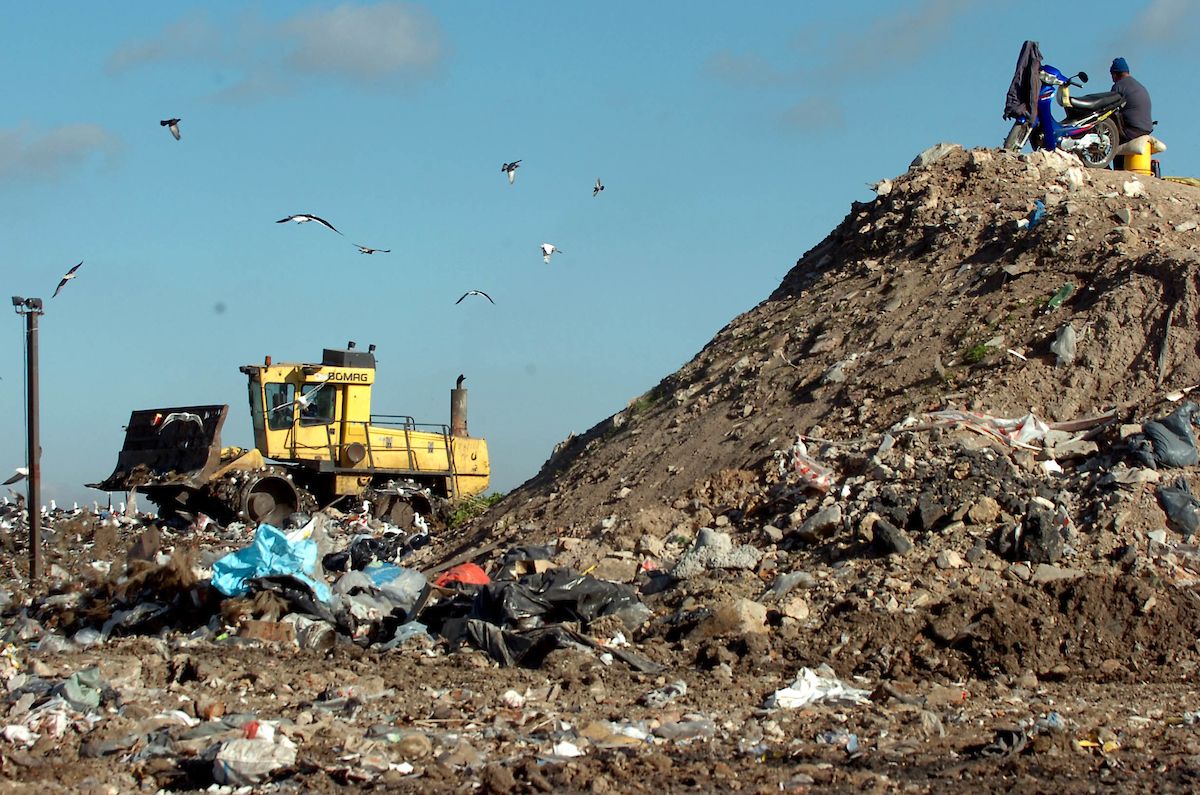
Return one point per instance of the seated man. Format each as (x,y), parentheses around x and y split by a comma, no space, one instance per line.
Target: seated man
(1136,119)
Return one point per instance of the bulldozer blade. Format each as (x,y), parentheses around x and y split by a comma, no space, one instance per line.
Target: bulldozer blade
(165,450)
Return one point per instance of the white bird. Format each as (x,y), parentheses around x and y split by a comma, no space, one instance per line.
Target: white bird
(474,292)
(598,187)
(304,218)
(302,400)
(68,276)
(368,250)
(511,170)
(19,474)
(548,249)
(172,125)
(182,416)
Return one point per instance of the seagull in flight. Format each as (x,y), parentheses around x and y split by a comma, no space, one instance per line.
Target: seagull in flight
(19,474)
(599,187)
(474,292)
(172,125)
(511,170)
(68,276)
(182,416)
(548,249)
(304,218)
(369,250)
(302,400)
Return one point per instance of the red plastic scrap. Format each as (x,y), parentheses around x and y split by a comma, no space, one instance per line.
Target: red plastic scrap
(462,574)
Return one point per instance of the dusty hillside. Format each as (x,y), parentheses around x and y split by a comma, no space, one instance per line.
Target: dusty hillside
(911,304)
(797,511)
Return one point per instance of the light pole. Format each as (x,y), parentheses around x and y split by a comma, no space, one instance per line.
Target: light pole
(31,308)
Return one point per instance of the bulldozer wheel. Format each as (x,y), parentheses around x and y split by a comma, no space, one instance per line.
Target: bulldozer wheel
(400,510)
(270,499)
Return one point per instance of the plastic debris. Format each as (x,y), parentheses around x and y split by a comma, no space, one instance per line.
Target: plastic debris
(248,761)
(1063,346)
(811,688)
(1060,296)
(1181,506)
(271,553)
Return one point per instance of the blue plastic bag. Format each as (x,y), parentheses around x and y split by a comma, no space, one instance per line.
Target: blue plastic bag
(271,553)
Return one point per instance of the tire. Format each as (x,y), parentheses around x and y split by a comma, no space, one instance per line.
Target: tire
(1100,154)
(1017,137)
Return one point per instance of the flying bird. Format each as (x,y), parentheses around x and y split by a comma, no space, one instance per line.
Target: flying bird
(474,292)
(172,125)
(369,250)
(303,401)
(19,474)
(304,218)
(68,276)
(599,187)
(548,249)
(511,170)
(182,416)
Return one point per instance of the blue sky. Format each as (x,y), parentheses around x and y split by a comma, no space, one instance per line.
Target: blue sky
(730,139)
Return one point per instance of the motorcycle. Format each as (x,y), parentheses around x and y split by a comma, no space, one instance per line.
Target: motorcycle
(1091,129)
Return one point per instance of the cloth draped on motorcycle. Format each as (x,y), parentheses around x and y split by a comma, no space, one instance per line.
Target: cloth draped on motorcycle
(1022,95)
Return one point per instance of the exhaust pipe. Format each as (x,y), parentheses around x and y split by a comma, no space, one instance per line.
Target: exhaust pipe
(458,409)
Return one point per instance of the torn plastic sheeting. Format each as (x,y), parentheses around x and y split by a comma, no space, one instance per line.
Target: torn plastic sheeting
(298,594)
(556,595)
(1172,437)
(364,550)
(83,690)
(1181,506)
(529,647)
(1018,432)
(463,574)
(811,688)
(270,553)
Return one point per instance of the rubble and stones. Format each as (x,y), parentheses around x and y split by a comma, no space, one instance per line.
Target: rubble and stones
(1019,609)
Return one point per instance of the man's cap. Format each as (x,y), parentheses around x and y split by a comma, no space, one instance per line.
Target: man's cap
(1119,65)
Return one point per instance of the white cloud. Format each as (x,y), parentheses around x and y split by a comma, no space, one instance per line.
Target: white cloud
(1161,22)
(367,42)
(26,153)
(748,70)
(813,115)
(382,43)
(191,37)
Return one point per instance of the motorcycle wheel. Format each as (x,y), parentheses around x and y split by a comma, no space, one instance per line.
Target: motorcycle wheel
(1100,154)
(1017,136)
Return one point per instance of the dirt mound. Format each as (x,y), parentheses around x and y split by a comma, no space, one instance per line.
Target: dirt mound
(913,303)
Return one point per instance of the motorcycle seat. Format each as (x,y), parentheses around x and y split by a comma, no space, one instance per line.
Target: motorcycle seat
(1092,102)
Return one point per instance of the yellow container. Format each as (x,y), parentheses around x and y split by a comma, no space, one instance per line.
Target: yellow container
(1139,164)
(1136,156)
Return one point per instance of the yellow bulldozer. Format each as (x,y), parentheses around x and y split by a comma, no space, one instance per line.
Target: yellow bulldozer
(316,443)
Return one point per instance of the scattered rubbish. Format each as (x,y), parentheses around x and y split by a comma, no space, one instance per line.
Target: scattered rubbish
(1036,214)
(840,738)
(1060,296)
(271,553)
(1181,506)
(1169,442)
(251,760)
(808,470)
(462,574)
(1008,742)
(811,688)
(690,727)
(657,699)
(1063,346)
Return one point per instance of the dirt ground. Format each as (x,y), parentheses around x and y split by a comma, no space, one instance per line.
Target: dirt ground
(1020,614)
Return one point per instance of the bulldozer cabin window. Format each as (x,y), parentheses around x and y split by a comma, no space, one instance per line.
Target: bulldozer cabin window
(280,400)
(316,405)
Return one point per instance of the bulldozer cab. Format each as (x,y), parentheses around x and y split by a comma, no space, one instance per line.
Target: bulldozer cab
(312,413)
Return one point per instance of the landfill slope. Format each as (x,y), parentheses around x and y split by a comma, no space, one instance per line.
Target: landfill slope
(889,530)
(919,294)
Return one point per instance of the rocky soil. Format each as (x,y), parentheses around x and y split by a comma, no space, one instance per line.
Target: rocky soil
(829,487)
